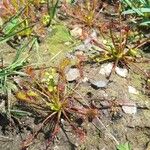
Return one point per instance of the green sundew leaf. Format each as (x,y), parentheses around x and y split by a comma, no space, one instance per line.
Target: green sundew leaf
(43,1)
(26,32)
(50,88)
(133,52)
(125,146)
(54,106)
(46,19)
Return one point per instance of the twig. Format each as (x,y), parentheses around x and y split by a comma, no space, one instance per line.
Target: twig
(107,131)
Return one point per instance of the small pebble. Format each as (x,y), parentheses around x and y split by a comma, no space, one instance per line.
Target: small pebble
(85,79)
(132,90)
(123,72)
(94,35)
(99,83)
(76,32)
(72,74)
(130,108)
(79,53)
(106,69)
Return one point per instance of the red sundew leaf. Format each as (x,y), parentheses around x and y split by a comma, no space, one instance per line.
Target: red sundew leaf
(6,3)
(30,72)
(64,63)
(81,134)
(61,87)
(26,143)
(55,132)
(2,6)
(42,72)
(82,57)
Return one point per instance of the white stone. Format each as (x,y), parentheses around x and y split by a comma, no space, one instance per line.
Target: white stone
(87,40)
(99,83)
(106,69)
(85,79)
(132,90)
(80,47)
(123,72)
(79,53)
(72,74)
(94,35)
(130,108)
(56,147)
(76,32)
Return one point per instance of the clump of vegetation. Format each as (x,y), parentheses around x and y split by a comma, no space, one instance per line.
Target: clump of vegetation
(30,19)
(119,49)
(44,93)
(9,72)
(85,13)
(11,30)
(140,8)
(51,98)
